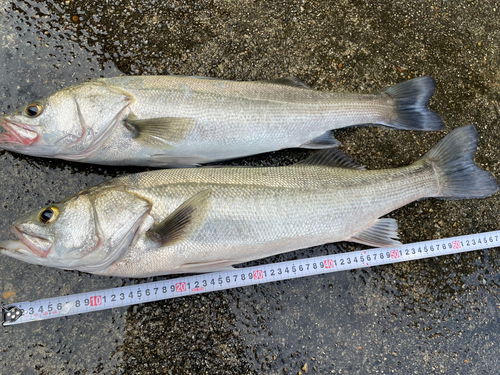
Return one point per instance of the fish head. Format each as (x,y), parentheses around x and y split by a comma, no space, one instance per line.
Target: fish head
(87,232)
(60,230)
(70,124)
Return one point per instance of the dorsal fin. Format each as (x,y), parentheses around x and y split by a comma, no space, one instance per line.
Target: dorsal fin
(288,81)
(332,158)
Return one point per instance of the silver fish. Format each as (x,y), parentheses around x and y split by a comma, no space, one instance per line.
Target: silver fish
(207,219)
(185,121)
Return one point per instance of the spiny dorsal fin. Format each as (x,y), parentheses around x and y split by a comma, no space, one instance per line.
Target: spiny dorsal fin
(288,81)
(181,223)
(326,140)
(382,233)
(159,132)
(332,158)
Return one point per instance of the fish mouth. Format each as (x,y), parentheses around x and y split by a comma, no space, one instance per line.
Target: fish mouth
(17,133)
(18,250)
(15,249)
(37,244)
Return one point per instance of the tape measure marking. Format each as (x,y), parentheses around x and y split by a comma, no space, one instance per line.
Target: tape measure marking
(49,308)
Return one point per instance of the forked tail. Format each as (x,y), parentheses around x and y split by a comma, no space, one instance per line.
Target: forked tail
(411,98)
(453,161)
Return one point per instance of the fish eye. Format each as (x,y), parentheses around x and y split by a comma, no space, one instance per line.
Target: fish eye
(48,215)
(34,109)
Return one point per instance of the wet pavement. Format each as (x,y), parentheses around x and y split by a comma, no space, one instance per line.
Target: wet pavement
(432,316)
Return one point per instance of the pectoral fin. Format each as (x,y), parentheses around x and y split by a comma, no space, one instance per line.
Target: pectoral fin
(181,223)
(382,233)
(159,132)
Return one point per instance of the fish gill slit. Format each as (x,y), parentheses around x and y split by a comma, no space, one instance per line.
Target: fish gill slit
(82,122)
(97,226)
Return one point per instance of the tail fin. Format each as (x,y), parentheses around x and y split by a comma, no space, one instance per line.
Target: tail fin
(453,161)
(411,98)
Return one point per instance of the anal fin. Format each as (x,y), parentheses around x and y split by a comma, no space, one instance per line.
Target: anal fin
(383,233)
(179,161)
(326,140)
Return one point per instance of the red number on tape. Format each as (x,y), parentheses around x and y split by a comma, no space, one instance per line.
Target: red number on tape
(180,287)
(456,245)
(95,301)
(394,254)
(329,263)
(258,274)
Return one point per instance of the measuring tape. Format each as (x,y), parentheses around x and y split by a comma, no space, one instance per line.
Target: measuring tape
(211,282)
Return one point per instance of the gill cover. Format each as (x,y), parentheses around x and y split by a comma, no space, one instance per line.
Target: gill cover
(118,216)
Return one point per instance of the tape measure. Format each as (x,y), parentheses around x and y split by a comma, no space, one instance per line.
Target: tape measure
(239,277)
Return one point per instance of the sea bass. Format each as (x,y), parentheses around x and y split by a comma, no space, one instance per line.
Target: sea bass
(207,219)
(184,121)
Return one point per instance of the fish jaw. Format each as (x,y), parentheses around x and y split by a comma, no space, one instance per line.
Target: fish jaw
(18,250)
(38,245)
(17,134)
(25,139)
(15,249)
(24,251)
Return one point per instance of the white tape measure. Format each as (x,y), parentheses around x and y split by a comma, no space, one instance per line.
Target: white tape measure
(184,286)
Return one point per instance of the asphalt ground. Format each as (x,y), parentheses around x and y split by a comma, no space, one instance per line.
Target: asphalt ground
(438,315)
